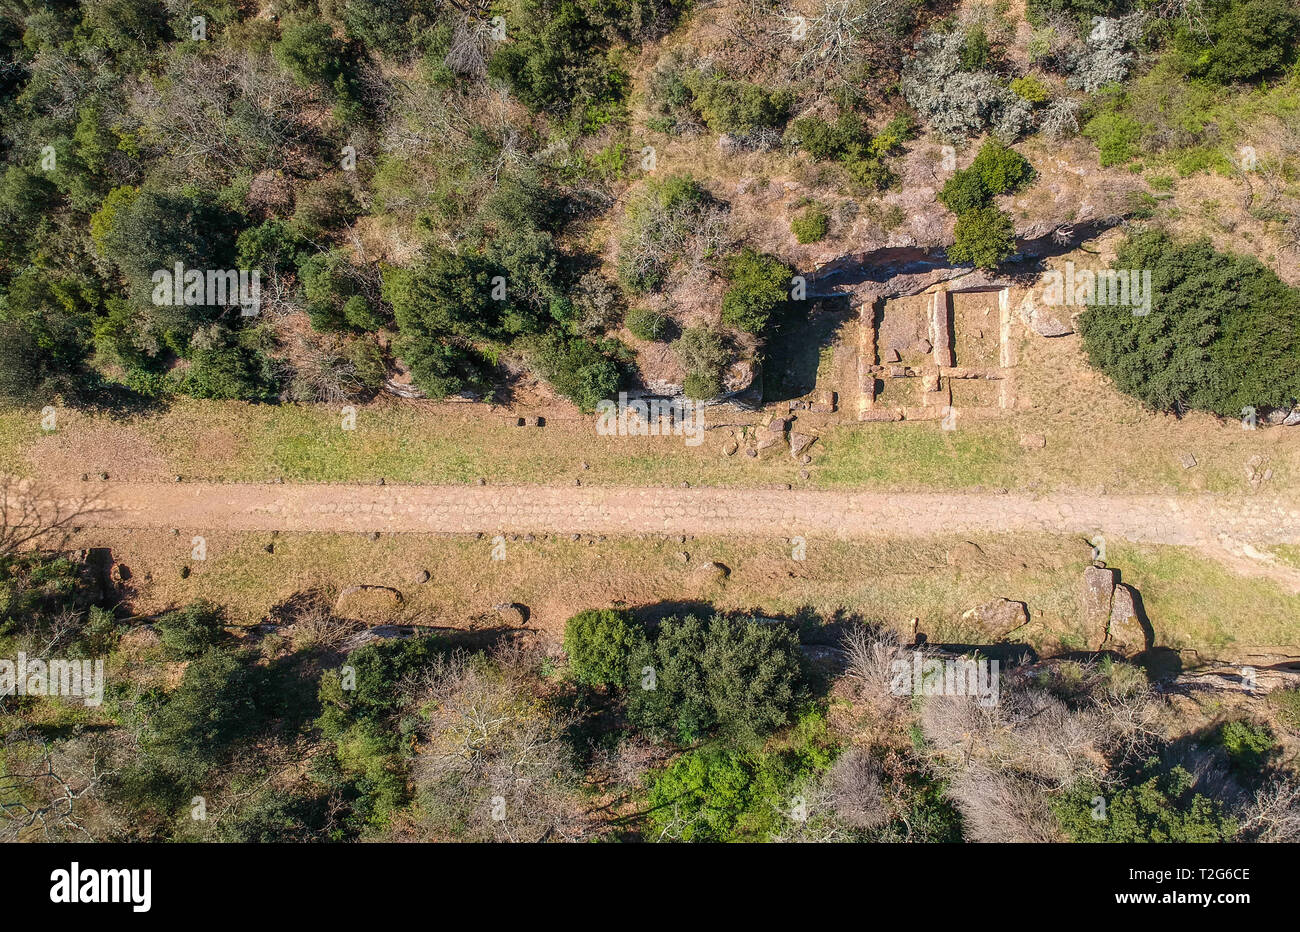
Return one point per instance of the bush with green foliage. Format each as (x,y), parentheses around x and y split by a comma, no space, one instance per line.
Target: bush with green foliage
(1031,89)
(811,225)
(848,142)
(599,642)
(190,631)
(736,677)
(996,170)
(228,366)
(1250,747)
(647,324)
(718,793)
(579,369)
(1240,40)
(758,286)
(983,237)
(1223,333)
(703,355)
(556,59)
(1162,808)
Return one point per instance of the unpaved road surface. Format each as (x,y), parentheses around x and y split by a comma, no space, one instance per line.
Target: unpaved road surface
(1235,525)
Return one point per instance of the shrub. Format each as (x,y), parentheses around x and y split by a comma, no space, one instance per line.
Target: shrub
(554,59)
(223,367)
(724,794)
(996,170)
(758,287)
(1116,137)
(958,102)
(703,356)
(188,632)
(670,222)
(308,50)
(735,676)
(983,237)
(1245,40)
(1160,809)
(1031,89)
(577,368)
(1221,336)
(1250,747)
(599,642)
(646,324)
(737,106)
(812,225)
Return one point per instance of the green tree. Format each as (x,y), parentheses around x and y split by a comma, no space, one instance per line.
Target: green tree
(984,237)
(758,287)
(1223,333)
(599,642)
(736,676)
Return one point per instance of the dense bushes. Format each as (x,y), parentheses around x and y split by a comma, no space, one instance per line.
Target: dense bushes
(1223,333)
(188,632)
(1160,808)
(984,234)
(848,142)
(984,237)
(736,677)
(703,355)
(1242,40)
(647,324)
(578,368)
(598,643)
(758,285)
(554,58)
(811,225)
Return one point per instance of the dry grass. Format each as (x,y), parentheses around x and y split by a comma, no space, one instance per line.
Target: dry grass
(1191,602)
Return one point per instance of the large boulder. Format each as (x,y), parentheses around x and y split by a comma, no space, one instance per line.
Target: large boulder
(1098,590)
(1125,632)
(1044,320)
(999,617)
(800,442)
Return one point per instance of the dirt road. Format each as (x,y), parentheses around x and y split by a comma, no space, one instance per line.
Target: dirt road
(1239,525)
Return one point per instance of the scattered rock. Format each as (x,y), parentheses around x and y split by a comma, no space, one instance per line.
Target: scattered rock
(730,448)
(924,347)
(804,474)
(269,548)
(751,452)
(103,475)
(999,617)
(512,614)
(1292,419)
(714,571)
(422,577)
(892,356)
(683,557)
(176,478)
(805,459)
(800,442)
(85,477)
(1188,460)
